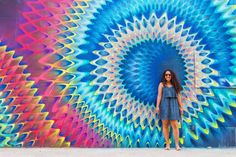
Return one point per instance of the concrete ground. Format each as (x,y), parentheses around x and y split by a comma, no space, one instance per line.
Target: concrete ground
(116,152)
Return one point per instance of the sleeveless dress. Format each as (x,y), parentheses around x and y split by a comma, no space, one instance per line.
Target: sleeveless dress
(169,107)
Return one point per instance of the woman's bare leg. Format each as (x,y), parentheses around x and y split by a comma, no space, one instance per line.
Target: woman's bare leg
(174,125)
(165,125)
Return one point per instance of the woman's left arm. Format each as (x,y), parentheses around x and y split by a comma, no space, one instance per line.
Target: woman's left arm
(180,103)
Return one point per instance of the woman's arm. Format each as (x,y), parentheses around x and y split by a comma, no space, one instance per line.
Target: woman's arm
(180,103)
(159,96)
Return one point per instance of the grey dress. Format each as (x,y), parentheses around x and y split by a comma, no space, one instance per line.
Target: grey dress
(169,108)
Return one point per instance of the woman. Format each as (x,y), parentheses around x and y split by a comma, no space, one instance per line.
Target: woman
(169,105)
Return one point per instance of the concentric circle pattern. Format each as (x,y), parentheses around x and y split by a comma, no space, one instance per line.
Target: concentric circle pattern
(96,66)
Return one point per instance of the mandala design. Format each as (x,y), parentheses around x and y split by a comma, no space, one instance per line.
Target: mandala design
(95,67)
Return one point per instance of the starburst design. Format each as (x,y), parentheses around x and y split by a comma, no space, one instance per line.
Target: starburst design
(96,65)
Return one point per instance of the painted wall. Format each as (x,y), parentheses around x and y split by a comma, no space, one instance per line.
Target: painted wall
(79,73)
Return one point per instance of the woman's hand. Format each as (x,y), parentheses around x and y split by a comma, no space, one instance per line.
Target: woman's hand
(181,111)
(157,109)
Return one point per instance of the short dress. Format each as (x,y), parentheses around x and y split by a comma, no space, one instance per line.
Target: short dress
(169,107)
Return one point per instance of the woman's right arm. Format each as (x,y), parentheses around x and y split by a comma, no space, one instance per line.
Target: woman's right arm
(159,96)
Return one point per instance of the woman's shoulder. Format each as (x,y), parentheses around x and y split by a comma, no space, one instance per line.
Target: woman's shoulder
(161,84)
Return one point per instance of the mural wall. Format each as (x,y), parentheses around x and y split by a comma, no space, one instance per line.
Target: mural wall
(84,73)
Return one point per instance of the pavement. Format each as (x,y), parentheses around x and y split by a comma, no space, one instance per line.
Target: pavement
(117,152)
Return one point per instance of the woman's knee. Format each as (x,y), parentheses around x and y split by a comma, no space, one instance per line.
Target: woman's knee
(174,124)
(165,123)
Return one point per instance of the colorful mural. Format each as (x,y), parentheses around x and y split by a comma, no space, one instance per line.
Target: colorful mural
(84,73)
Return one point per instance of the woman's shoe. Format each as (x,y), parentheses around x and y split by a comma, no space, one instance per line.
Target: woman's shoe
(177,148)
(167,147)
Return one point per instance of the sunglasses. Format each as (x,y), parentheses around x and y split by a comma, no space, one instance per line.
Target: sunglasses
(167,74)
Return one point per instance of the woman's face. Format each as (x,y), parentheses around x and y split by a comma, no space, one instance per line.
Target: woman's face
(168,75)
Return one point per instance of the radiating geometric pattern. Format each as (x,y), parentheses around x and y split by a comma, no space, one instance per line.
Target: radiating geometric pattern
(23,120)
(89,71)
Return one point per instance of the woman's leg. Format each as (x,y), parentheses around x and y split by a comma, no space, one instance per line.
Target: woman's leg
(174,125)
(165,125)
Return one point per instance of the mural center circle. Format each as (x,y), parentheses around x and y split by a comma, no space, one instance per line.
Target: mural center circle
(142,67)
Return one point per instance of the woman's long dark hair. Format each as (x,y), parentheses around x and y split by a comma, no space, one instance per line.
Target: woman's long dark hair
(174,81)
